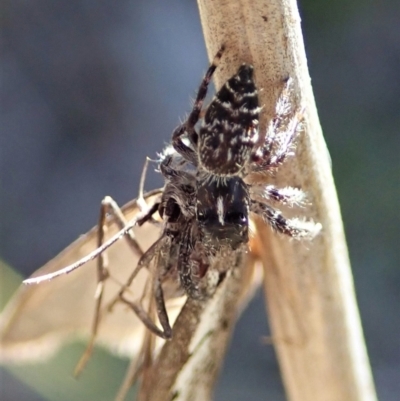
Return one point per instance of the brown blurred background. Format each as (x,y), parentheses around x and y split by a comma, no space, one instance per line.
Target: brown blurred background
(89,88)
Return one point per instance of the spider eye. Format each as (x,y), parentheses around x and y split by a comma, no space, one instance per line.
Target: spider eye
(201,217)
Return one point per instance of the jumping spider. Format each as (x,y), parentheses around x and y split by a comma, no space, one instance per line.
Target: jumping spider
(225,150)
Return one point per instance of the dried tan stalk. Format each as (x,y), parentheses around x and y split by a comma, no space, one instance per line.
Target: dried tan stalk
(309,288)
(187,366)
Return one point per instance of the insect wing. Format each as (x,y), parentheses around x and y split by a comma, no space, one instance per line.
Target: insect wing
(39,318)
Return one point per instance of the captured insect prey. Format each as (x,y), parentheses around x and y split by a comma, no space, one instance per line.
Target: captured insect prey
(183,238)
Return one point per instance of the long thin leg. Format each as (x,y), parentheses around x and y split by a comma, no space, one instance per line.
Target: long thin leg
(108,206)
(94,254)
(166,333)
(161,309)
(102,275)
(140,312)
(137,366)
(140,364)
(140,199)
(144,261)
(111,207)
(162,314)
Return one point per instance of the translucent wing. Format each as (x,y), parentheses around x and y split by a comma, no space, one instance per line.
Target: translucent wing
(39,318)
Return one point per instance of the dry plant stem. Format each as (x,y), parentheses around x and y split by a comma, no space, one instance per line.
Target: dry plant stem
(315,322)
(188,365)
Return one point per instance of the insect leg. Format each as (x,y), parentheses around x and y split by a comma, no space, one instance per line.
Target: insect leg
(145,260)
(108,206)
(136,367)
(162,314)
(166,333)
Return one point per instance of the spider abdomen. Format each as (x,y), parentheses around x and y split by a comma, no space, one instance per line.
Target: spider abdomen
(230,128)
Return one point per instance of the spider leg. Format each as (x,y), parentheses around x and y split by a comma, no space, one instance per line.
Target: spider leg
(187,128)
(281,133)
(289,196)
(294,228)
